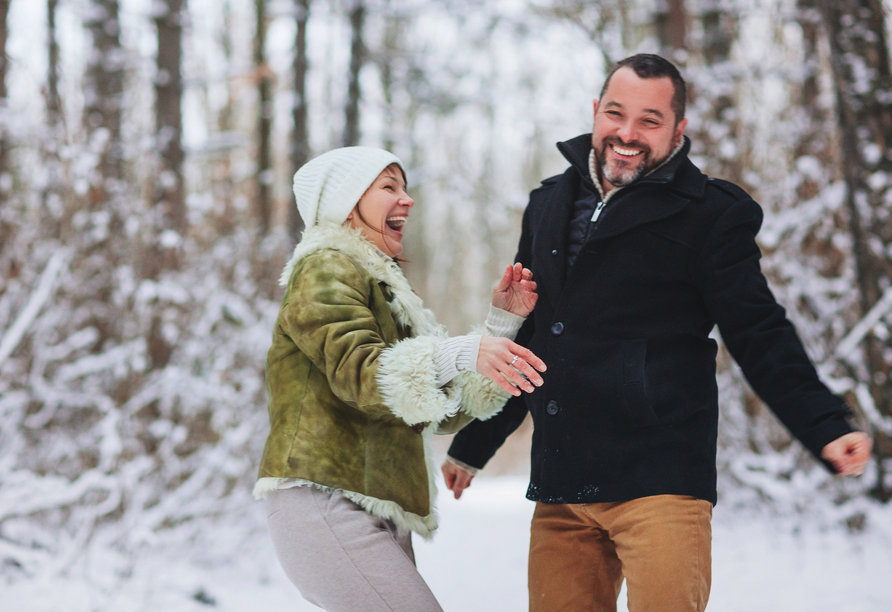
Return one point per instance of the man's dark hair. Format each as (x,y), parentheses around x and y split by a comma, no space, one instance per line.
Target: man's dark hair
(650,66)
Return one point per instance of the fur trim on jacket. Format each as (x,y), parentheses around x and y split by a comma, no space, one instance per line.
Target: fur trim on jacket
(405,377)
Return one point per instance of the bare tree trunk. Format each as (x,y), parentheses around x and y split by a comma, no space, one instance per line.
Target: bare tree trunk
(50,197)
(170,191)
(53,102)
(5,170)
(300,137)
(264,174)
(169,197)
(671,25)
(102,118)
(861,71)
(357,59)
(719,133)
(390,51)
(103,93)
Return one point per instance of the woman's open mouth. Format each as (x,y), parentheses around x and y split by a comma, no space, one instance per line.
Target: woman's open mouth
(396,223)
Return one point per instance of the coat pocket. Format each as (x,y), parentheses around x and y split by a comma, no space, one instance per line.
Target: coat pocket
(634,384)
(607,384)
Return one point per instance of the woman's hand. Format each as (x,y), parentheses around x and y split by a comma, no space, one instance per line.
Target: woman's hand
(502,360)
(515,291)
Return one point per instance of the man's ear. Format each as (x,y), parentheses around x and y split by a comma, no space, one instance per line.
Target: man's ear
(594,108)
(679,130)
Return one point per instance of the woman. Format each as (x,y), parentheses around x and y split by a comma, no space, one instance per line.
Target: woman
(360,375)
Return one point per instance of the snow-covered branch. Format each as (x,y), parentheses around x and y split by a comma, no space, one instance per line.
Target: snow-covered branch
(36,302)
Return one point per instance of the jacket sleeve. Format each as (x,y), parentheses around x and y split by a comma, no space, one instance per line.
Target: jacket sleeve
(758,334)
(328,316)
(479,441)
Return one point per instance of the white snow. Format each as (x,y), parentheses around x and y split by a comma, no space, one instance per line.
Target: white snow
(477,562)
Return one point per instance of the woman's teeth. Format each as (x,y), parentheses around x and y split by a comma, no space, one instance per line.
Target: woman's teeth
(396,223)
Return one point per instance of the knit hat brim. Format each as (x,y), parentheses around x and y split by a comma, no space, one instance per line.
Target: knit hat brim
(328,187)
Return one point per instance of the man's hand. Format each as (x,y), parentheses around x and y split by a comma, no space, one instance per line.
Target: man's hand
(457,479)
(849,453)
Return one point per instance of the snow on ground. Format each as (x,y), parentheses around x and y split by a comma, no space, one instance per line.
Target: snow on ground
(477,562)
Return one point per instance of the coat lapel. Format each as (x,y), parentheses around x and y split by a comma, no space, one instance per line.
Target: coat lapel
(550,239)
(638,207)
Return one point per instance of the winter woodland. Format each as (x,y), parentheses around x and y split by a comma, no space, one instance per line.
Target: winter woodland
(146,155)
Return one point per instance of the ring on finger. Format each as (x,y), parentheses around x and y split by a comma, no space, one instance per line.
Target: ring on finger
(516,357)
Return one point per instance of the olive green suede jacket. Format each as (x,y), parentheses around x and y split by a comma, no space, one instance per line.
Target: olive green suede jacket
(350,372)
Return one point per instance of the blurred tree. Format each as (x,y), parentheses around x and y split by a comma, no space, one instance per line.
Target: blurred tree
(103,95)
(670,20)
(357,59)
(264,173)
(50,196)
(4,138)
(863,83)
(716,134)
(169,194)
(169,214)
(53,101)
(300,136)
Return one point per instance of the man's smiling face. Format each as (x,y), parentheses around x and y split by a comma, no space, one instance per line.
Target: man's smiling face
(635,128)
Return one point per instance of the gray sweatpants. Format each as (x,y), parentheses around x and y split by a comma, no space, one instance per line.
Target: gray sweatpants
(342,558)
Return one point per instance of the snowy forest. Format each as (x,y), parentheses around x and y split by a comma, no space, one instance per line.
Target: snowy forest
(146,155)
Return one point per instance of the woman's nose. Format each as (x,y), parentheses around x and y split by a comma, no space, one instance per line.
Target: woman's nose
(407,201)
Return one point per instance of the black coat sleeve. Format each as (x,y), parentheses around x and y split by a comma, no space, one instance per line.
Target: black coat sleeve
(479,441)
(758,334)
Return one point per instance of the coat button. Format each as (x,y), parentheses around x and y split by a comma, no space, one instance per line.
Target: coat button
(557,329)
(554,251)
(552,407)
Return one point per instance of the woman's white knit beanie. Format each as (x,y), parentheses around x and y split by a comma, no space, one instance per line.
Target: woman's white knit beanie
(329,186)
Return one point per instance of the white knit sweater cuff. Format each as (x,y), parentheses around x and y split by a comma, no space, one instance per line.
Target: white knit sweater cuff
(462,465)
(502,324)
(454,355)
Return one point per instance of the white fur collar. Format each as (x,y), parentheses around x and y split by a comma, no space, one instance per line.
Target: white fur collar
(406,307)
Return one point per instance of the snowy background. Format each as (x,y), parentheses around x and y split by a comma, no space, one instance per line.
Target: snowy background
(132,399)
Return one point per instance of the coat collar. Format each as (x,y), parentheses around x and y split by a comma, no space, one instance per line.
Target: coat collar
(406,307)
(678,172)
(661,194)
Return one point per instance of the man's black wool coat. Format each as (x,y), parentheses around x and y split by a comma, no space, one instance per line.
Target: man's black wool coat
(629,407)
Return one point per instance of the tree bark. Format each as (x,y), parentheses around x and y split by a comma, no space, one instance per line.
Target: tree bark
(263,177)
(169,197)
(5,170)
(53,102)
(721,127)
(357,59)
(300,136)
(170,189)
(861,71)
(103,93)
(671,26)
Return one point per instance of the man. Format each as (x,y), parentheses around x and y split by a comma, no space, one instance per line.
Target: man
(638,256)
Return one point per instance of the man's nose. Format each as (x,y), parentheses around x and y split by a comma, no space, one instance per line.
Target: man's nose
(627,132)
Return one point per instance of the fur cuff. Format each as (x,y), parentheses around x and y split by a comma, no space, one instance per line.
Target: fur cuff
(408,383)
(481,397)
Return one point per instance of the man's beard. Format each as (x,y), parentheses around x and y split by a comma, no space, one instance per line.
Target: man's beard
(623,175)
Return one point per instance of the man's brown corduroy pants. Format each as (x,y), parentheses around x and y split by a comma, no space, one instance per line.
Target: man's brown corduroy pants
(661,545)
